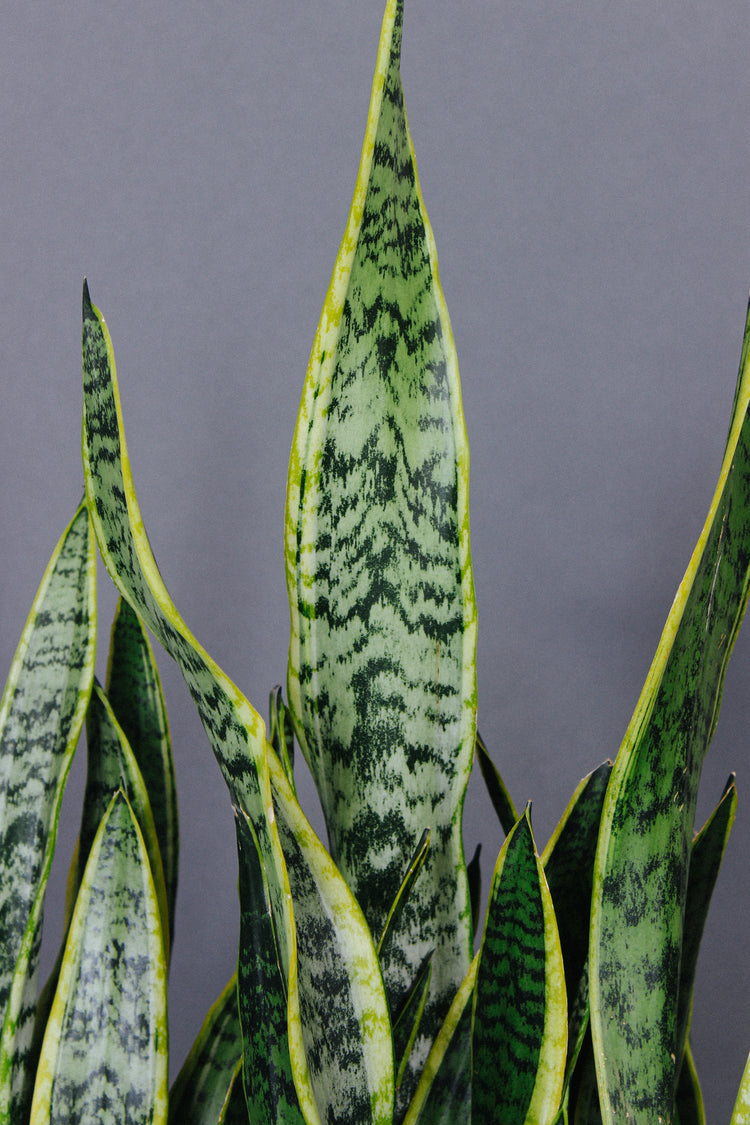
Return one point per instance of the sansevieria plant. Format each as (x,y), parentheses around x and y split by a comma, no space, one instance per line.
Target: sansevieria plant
(367,988)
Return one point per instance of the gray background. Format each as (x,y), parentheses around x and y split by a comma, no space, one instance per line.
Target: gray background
(586,170)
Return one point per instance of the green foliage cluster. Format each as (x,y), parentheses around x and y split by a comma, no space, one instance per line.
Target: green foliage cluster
(358,995)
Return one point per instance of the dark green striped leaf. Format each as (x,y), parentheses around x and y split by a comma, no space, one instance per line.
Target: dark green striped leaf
(381,669)
(135,695)
(568,862)
(202,1087)
(104,1055)
(325,947)
(520,1019)
(705,860)
(41,715)
(499,795)
(269,1084)
(647,824)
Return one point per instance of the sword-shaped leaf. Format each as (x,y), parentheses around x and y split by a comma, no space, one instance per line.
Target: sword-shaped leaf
(705,860)
(41,715)
(135,695)
(203,1085)
(350,1075)
(443,1096)
(269,1084)
(741,1111)
(499,795)
(104,1054)
(519,1037)
(647,824)
(381,670)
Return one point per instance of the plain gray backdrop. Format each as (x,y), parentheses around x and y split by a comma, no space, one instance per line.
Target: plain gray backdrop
(586,167)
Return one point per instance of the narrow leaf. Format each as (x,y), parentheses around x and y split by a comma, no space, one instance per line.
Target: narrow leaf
(104,1054)
(647,824)
(41,714)
(501,799)
(203,1085)
(406,1023)
(407,883)
(281,733)
(689,1108)
(520,1018)
(741,1111)
(135,695)
(381,668)
(350,1076)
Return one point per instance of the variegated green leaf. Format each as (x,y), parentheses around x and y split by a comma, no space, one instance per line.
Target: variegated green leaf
(442,1096)
(281,733)
(203,1085)
(519,1036)
(647,823)
(406,1022)
(104,1056)
(689,1109)
(135,695)
(381,668)
(112,766)
(350,1075)
(705,860)
(269,1083)
(741,1111)
(411,875)
(499,795)
(41,714)
(568,862)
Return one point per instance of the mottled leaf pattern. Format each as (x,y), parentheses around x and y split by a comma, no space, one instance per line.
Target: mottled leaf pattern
(104,1056)
(41,715)
(207,1075)
(382,652)
(295,864)
(647,823)
(135,695)
(520,1019)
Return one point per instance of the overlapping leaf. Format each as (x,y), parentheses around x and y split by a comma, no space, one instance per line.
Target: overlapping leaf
(647,824)
(208,1074)
(135,695)
(41,715)
(348,1079)
(104,1055)
(382,655)
(519,1037)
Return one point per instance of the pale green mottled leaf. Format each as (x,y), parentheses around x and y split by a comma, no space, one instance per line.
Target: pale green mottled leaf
(104,1056)
(349,1077)
(647,824)
(41,715)
(381,670)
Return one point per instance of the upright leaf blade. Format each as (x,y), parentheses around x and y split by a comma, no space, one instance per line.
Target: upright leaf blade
(306,891)
(41,715)
(105,1048)
(381,671)
(134,692)
(647,823)
(208,1073)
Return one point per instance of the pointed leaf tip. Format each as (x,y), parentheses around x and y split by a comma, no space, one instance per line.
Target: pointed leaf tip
(88,309)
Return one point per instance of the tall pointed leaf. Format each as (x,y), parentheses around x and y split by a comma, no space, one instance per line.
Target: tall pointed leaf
(647,823)
(104,1055)
(519,1035)
(41,714)
(307,894)
(383,619)
(135,695)
(203,1084)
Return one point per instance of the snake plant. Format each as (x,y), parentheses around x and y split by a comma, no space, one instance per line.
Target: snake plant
(367,989)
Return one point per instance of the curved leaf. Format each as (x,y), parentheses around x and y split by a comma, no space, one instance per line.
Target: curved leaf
(308,896)
(647,824)
(41,714)
(519,1036)
(501,799)
(134,692)
(203,1085)
(381,668)
(105,1047)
